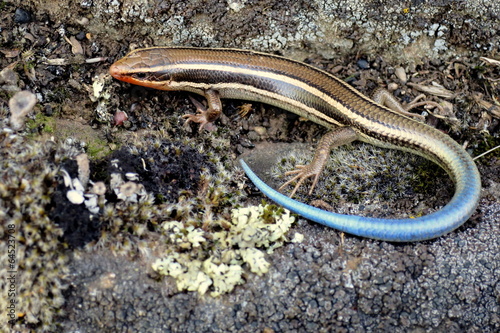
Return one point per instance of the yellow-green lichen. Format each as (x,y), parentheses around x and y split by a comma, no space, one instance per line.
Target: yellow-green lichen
(216,261)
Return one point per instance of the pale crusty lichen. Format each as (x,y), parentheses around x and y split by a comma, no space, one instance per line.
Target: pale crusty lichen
(216,261)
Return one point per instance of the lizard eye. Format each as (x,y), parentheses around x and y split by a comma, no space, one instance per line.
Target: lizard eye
(139,76)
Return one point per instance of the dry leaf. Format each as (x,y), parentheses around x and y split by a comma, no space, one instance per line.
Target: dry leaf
(490,61)
(10,53)
(436,90)
(57,62)
(76,47)
(492,109)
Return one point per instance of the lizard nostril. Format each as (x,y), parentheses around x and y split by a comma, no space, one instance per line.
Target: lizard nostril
(115,71)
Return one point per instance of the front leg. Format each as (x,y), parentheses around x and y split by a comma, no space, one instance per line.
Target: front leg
(338,137)
(205,116)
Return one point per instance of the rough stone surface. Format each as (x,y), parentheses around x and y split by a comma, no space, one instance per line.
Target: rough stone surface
(397,30)
(322,285)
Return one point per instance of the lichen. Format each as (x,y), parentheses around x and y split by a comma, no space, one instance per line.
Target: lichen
(204,249)
(219,254)
(175,199)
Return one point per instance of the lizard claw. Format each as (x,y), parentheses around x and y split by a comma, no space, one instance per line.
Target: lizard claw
(337,137)
(302,172)
(201,117)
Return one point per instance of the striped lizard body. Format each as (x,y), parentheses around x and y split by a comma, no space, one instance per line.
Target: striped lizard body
(324,99)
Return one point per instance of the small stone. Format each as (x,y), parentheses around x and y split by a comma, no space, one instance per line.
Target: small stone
(83,163)
(247,143)
(8,77)
(20,105)
(119,118)
(401,74)
(48,110)
(252,136)
(392,86)
(22,16)
(80,36)
(260,130)
(363,64)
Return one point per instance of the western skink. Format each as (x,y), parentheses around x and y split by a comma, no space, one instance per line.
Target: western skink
(324,99)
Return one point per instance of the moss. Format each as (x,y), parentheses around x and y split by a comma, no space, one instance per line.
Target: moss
(41,122)
(29,65)
(172,181)
(59,95)
(168,194)
(488,142)
(354,173)
(28,171)
(97,148)
(426,174)
(363,174)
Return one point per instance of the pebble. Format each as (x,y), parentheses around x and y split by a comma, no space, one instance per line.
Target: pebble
(261,130)
(80,36)
(20,105)
(119,118)
(252,136)
(248,143)
(363,64)
(83,163)
(22,16)
(401,74)
(392,86)
(48,110)
(8,76)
